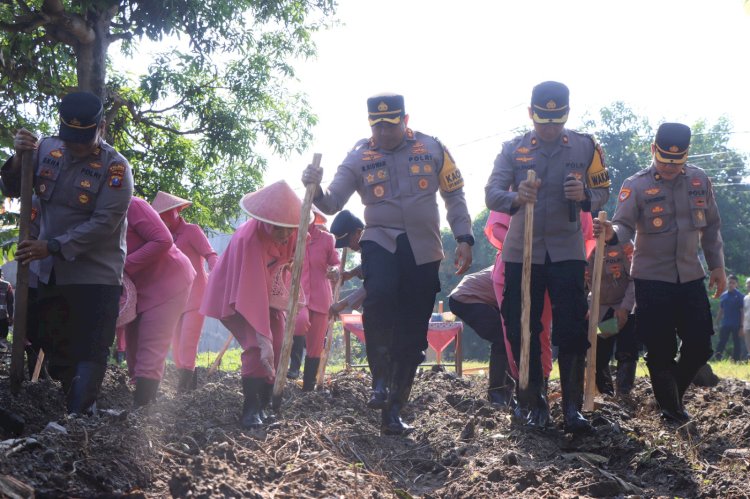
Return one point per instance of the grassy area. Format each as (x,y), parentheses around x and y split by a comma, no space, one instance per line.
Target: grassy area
(723,369)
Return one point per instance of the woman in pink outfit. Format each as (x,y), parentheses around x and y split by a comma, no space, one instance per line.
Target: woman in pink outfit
(192,241)
(163,277)
(240,289)
(312,320)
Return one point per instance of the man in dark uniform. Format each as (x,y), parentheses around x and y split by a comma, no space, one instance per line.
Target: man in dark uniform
(84,188)
(670,209)
(397,173)
(6,309)
(571,176)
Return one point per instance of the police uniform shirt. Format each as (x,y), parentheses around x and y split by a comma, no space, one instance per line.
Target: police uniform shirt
(669,220)
(616,290)
(574,154)
(398,190)
(83,203)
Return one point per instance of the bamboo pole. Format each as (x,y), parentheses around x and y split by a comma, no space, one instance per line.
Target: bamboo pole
(217,361)
(20,319)
(38,366)
(291,311)
(596,279)
(329,334)
(528,242)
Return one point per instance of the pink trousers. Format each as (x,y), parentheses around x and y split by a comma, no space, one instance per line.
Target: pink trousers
(247,338)
(187,334)
(149,335)
(313,326)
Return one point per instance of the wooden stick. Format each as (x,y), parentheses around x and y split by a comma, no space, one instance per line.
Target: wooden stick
(596,280)
(291,311)
(329,334)
(528,242)
(38,366)
(217,361)
(20,320)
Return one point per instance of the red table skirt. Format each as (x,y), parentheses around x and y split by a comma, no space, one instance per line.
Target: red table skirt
(439,334)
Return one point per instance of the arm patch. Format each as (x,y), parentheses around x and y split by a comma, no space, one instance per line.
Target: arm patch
(597,175)
(450,176)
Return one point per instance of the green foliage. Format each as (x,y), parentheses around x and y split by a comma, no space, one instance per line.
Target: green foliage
(201,122)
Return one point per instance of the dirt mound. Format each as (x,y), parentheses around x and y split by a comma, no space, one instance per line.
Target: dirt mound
(328,444)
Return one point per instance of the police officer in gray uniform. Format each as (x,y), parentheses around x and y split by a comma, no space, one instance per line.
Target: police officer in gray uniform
(670,209)
(397,173)
(84,187)
(616,303)
(571,175)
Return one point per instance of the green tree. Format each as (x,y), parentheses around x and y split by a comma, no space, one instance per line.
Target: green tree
(624,137)
(197,123)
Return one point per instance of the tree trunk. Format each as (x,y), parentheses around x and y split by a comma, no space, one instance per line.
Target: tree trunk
(92,57)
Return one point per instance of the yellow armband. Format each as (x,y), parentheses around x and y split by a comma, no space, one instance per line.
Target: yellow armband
(597,175)
(450,176)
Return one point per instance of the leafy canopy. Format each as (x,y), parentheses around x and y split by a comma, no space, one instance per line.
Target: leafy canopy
(202,121)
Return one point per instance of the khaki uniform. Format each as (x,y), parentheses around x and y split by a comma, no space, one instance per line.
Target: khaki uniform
(83,203)
(398,189)
(575,154)
(616,289)
(669,221)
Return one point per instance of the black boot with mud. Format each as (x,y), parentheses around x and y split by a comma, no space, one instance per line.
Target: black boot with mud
(251,406)
(572,367)
(145,391)
(501,385)
(310,375)
(400,389)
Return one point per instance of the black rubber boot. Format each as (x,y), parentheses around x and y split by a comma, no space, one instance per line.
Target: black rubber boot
(266,390)
(251,407)
(625,377)
(402,380)
(604,347)
(500,390)
(145,391)
(572,368)
(539,408)
(380,367)
(667,396)
(311,373)
(295,358)
(84,388)
(184,380)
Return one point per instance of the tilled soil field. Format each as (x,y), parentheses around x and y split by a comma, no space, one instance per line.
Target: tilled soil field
(328,444)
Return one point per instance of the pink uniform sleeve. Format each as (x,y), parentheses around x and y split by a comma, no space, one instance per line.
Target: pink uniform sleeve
(158,240)
(199,241)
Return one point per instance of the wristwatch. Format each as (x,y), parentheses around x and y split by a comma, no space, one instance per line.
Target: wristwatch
(53,246)
(468,239)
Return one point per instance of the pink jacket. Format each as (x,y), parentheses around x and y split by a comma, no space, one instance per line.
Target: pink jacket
(158,269)
(190,239)
(242,280)
(320,253)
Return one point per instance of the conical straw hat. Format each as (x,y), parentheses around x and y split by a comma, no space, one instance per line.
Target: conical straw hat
(165,202)
(276,204)
(128,301)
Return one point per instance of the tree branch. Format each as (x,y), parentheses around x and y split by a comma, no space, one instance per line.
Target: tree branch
(120,36)
(73,24)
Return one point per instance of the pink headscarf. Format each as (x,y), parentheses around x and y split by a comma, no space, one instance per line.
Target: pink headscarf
(242,279)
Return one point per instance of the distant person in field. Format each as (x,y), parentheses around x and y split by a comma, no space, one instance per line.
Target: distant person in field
(6,309)
(246,291)
(729,320)
(348,229)
(746,319)
(192,241)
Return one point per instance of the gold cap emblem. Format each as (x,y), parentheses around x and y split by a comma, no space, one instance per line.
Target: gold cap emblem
(551,105)
(382,106)
(674,149)
(75,122)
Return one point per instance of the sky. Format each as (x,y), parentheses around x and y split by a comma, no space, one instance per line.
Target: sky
(466,70)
